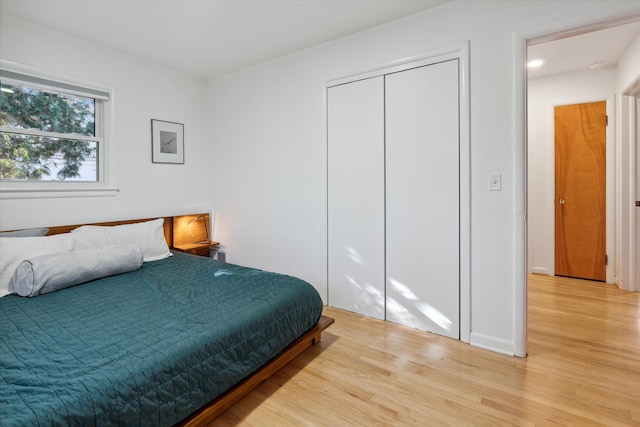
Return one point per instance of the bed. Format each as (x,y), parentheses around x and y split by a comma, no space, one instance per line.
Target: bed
(175,341)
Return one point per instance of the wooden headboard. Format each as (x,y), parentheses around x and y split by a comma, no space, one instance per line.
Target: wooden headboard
(168,227)
(179,229)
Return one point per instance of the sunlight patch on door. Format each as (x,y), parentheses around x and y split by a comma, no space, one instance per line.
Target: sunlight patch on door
(407,312)
(354,255)
(403,290)
(367,296)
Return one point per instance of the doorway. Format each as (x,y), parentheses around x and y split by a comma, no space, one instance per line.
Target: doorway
(592,81)
(537,198)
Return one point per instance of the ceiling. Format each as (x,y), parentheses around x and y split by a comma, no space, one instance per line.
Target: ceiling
(580,52)
(209,38)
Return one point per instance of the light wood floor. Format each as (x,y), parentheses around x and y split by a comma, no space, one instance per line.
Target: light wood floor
(583,369)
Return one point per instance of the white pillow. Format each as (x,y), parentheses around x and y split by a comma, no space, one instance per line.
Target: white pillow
(148,236)
(13,250)
(49,273)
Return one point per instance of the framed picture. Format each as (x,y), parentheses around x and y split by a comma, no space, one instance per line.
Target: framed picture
(167,142)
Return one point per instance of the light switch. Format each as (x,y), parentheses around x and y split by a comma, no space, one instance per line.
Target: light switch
(495,182)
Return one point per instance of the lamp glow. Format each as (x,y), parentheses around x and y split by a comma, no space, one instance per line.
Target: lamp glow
(204,219)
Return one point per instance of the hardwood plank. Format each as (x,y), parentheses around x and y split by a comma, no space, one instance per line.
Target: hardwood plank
(583,368)
(226,400)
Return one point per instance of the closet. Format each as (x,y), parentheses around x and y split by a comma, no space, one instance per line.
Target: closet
(393,197)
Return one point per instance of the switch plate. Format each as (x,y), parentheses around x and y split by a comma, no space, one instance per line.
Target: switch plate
(495,182)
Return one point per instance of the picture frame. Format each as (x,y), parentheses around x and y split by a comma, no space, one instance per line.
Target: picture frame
(167,142)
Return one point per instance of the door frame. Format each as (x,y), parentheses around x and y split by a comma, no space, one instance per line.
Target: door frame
(627,170)
(459,51)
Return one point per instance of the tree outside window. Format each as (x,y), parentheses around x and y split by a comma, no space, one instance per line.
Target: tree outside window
(47,136)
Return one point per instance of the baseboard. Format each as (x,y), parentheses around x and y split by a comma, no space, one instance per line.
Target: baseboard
(487,342)
(540,270)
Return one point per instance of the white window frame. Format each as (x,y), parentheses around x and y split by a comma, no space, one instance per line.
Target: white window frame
(106,183)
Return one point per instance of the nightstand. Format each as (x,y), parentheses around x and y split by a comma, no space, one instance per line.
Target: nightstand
(197,248)
(191,234)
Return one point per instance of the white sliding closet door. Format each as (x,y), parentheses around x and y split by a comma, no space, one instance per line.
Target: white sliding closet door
(356,196)
(422,198)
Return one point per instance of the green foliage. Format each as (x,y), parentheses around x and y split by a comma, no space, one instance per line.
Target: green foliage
(30,157)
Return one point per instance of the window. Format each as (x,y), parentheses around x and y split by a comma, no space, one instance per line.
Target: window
(52,135)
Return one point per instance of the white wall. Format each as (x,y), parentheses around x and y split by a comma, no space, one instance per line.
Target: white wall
(544,94)
(142,91)
(269,131)
(629,66)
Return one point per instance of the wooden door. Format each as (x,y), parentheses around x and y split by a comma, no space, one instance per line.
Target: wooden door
(355,126)
(423,198)
(580,190)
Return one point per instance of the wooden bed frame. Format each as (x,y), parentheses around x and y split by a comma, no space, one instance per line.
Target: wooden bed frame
(223,402)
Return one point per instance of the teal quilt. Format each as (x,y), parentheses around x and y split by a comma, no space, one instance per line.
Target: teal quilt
(147,347)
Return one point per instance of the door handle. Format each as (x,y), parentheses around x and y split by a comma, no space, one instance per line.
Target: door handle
(562,201)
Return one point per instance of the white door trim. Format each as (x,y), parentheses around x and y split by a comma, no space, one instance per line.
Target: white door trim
(626,173)
(519,119)
(612,167)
